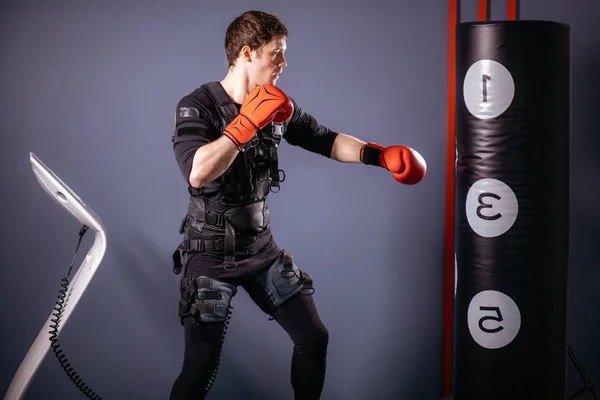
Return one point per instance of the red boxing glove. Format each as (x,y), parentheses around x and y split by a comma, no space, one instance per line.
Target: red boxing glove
(264,104)
(406,164)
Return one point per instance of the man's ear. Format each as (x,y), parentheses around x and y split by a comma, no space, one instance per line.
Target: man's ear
(246,54)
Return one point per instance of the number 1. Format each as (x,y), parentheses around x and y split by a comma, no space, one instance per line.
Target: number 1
(484,80)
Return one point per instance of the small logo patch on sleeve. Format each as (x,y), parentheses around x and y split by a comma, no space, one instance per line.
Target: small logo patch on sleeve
(188,112)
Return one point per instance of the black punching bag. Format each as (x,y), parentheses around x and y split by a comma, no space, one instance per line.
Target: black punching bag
(512,210)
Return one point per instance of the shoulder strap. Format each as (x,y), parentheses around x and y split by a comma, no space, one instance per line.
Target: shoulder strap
(228,111)
(226,107)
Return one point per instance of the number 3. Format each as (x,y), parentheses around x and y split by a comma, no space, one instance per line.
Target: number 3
(483,205)
(489,317)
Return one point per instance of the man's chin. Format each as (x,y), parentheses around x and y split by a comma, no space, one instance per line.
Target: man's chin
(271,81)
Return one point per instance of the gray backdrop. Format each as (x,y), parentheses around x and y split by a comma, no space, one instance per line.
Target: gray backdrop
(91,87)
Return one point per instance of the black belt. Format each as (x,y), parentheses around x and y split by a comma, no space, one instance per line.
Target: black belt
(251,219)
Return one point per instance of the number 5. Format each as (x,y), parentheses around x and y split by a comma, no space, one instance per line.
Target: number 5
(489,317)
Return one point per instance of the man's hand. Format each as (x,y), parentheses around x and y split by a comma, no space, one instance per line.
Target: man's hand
(264,104)
(406,164)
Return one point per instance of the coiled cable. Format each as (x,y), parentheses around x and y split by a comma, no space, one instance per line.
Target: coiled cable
(213,377)
(57,314)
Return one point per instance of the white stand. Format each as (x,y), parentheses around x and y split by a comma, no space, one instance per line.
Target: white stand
(64,196)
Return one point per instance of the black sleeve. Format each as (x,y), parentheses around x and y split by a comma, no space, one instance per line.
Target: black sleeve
(305,131)
(194,127)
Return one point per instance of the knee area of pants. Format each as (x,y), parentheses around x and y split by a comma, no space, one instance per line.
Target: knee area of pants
(316,342)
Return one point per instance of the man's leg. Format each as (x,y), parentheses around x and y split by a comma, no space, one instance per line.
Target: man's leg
(207,308)
(284,292)
(300,319)
(201,356)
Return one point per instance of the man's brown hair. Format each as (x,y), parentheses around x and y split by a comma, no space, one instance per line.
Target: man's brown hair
(253,29)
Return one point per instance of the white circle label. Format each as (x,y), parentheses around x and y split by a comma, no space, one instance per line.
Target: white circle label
(488,89)
(491,207)
(494,319)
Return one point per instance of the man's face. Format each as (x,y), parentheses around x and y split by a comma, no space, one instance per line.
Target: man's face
(268,63)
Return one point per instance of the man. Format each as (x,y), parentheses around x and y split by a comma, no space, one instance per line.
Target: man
(225,142)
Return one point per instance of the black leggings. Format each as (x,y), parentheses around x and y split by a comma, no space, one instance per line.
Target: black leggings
(300,319)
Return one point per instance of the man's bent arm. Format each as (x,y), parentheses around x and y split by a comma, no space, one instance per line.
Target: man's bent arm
(211,161)
(346,149)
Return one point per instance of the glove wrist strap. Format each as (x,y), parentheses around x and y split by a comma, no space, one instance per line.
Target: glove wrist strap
(237,144)
(369,154)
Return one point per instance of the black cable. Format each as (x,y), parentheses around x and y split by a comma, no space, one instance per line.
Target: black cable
(59,309)
(223,334)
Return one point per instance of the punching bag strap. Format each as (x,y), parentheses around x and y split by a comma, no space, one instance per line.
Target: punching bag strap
(483,10)
(512,10)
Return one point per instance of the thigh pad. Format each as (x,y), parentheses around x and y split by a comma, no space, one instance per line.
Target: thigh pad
(212,299)
(282,280)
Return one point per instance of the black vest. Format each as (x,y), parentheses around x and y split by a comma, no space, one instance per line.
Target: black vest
(254,172)
(234,204)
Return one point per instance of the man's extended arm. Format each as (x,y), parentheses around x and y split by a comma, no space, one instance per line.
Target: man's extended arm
(346,149)
(406,165)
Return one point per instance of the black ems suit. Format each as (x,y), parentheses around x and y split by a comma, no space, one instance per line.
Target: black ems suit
(227,242)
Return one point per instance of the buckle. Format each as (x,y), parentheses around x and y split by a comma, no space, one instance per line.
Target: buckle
(194,245)
(214,218)
(277,130)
